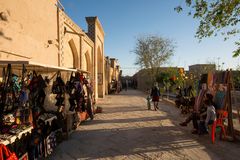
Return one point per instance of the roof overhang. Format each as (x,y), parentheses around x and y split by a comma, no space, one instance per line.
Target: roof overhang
(30,65)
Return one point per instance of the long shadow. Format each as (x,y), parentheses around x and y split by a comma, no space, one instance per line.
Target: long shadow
(103,143)
(129,93)
(128,141)
(129,120)
(108,109)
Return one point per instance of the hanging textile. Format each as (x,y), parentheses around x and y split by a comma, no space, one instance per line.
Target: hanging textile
(219,100)
(198,100)
(210,80)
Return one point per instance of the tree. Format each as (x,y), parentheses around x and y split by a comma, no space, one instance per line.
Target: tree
(152,52)
(216,16)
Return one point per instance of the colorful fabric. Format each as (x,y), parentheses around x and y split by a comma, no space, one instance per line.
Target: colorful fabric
(219,99)
(198,100)
(210,80)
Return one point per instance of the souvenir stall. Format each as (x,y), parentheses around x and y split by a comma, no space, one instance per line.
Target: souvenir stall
(89,99)
(74,98)
(27,128)
(219,84)
(81,99)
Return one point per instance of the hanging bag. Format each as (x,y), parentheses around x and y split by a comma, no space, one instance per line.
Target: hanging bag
(70,84)
(33,83)
(58,86)
(41,82)
(8,96)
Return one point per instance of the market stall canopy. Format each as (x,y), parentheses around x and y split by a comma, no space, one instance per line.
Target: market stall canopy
(83,71)
(30,65)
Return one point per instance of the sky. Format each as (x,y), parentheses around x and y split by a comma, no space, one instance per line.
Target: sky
(125,20)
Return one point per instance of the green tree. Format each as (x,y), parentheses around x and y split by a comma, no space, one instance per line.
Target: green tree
(216,16)
(152,52)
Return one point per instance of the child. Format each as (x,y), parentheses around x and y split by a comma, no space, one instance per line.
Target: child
(211,113)
(148,100)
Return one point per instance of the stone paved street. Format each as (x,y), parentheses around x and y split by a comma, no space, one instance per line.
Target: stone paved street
(127,130)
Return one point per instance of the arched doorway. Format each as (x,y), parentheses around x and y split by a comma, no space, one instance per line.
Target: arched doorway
(86,63)
(74,53)
(100,72)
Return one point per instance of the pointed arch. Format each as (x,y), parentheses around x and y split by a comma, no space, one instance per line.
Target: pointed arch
(99,60)
(74,53)
(88,62)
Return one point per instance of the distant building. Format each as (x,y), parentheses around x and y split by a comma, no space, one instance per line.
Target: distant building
(112,73)
(144,81)
(197,70)
(236,79)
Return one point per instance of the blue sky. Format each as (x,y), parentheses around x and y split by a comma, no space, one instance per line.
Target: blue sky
(124,20)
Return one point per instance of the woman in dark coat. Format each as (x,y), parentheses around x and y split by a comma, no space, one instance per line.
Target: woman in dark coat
(155,94)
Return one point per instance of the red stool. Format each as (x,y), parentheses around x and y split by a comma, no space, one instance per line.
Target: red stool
(222,115)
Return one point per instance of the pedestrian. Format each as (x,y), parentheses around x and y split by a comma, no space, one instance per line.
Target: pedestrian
(118,87)
(126,85)
(148,99)
(89,92)
(155,94)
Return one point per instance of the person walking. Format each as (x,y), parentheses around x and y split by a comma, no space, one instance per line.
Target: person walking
(89,99)
(155,94)
(126,85)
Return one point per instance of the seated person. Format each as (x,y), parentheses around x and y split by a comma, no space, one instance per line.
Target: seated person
(199,109)
(211,113)
(194,117)
(210,116)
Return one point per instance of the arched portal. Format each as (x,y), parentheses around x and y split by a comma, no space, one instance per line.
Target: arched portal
(74,53)
(100,72)
(88,62)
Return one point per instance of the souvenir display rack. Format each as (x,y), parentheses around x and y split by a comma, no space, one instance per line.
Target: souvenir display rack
(48,122)
(12,138)
(222,98)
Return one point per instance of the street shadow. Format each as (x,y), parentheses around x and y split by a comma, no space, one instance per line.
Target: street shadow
(130,92)
(111,110)
(139,141)
(129,120)
(105,143)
